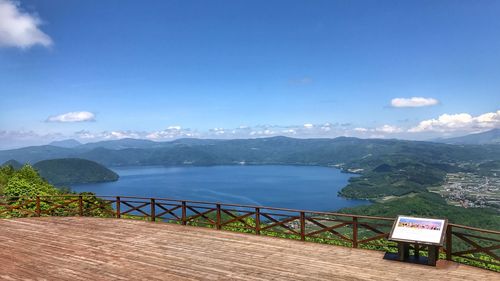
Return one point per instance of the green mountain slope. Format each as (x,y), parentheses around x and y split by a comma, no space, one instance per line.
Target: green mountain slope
(69,143)
(488,137)
(15,164)
(356,153)
(73,171)
(430,205)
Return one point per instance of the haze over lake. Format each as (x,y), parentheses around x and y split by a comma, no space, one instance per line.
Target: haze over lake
(297,187)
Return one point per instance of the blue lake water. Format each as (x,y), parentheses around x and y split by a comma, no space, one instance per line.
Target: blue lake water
(296,187)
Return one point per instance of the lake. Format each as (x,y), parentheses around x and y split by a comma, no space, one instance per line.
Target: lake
(295,187)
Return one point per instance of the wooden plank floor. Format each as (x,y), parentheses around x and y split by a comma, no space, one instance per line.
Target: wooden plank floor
(111,249)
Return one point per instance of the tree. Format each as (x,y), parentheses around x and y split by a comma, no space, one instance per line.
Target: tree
(27,182)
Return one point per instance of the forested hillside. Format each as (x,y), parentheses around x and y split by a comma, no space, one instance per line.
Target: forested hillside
(353,152)
(73,170)
(428,204)
(24,182)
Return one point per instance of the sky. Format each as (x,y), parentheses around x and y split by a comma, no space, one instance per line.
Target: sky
(160,70)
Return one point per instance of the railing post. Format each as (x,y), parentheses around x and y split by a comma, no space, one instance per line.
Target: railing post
(257,221)
(302,226)
(218,219)
(153,209)
(354,232)
(449,246)
(118,211)
(184,219)
(80,205)
(38,211)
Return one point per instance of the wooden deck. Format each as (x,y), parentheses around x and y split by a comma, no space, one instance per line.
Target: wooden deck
(51,248)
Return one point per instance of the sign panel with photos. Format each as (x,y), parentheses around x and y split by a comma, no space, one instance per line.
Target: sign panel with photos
(418,230)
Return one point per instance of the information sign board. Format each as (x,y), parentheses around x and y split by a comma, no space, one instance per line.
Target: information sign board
(418,230)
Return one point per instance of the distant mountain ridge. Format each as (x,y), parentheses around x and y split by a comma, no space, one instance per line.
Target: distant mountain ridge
(488,137)
(274,150)
(70,143)
(121,144)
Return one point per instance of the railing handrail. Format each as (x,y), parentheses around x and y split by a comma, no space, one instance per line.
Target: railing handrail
(304,224)
(213,203)
(475,228)
(490,231)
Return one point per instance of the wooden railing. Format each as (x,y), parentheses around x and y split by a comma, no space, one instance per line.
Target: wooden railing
(463,244)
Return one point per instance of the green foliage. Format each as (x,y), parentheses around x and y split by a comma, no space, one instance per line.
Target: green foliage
(6,173)
(94,206)
(20,187)
(395,178)
(489,168)
(430,205)
(74,170)
(276,150)
(26,182)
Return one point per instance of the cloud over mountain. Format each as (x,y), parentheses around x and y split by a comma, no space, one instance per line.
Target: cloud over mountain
(448,125)
(459,122)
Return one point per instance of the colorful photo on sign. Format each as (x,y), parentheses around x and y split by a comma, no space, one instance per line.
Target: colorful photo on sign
(420,230)
(420,224)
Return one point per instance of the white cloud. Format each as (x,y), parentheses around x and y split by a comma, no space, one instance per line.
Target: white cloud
(378,131)
(21,138)
(444,125)
(25,135)
(20,29)
(108,135)
(120,135)
(171,132)
(327,127)
(218,131)
(76,116)
(362,130)
(413,102)
(299,131)
(376,136)
(388,129)
(84,134)
(459,122)
(308,126)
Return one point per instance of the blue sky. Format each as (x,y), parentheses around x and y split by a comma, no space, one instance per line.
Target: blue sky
(96,70)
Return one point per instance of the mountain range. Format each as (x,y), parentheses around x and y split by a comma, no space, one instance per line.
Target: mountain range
(351,152)
(488,137)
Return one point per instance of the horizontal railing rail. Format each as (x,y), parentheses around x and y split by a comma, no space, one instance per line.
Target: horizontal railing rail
(464,244)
